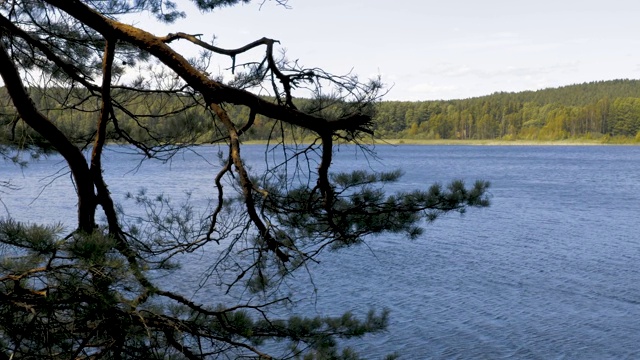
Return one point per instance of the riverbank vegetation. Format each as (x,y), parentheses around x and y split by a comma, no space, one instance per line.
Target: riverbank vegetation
(596,112)
(604,112)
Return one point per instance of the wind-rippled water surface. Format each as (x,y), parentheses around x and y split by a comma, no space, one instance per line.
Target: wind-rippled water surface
(550,270)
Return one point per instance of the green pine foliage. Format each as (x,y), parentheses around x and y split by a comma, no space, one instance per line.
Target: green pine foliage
(57,293)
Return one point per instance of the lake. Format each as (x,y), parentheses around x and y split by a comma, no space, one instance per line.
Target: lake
(550,270)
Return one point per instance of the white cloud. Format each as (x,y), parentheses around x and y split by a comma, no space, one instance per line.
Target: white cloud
(487,41)
(431,88)
(449,70)
(463,70)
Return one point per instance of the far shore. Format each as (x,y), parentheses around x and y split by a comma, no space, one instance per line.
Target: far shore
(575,142)
(567,142)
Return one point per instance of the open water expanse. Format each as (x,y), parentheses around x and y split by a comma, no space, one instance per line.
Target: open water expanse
(550,271)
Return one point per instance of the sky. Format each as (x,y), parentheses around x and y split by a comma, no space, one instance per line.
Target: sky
(432,50)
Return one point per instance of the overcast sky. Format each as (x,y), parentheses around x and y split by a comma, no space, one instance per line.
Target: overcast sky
(451,49)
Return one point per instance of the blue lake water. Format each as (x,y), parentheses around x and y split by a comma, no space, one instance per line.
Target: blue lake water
(550,270)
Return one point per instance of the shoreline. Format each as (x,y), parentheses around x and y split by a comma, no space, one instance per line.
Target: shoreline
(576,142)
(448,142)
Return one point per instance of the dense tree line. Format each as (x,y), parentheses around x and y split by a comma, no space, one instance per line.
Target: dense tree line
(154,118)
(592,110)
(598,110)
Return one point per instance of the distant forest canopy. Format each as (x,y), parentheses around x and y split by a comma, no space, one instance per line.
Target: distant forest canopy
(605,110)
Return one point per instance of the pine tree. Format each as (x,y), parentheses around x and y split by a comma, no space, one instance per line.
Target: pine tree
(93,293)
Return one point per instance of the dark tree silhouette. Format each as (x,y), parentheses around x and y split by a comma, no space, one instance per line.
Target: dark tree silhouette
(91,293)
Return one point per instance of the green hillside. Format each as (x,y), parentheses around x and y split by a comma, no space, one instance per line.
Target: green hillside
(591,110)
(606,111)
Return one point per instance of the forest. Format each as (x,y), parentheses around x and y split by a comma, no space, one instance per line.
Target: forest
(603,111)
(606,110)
